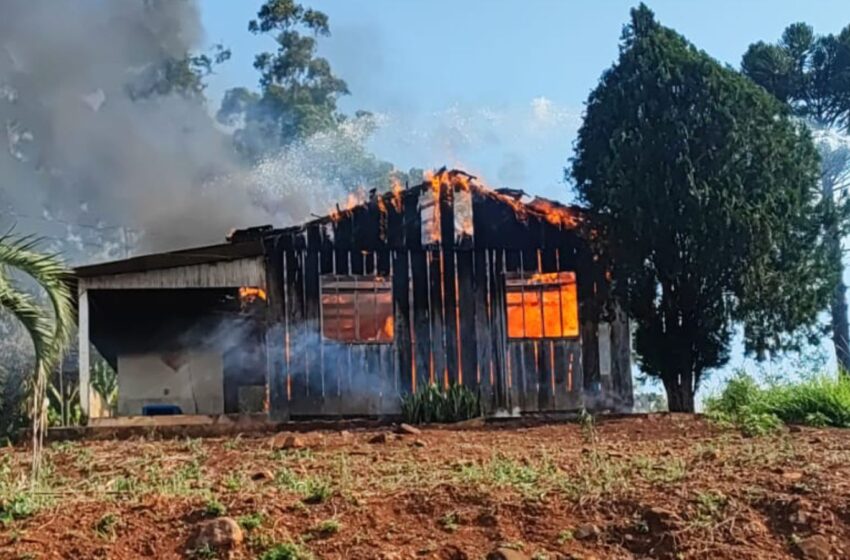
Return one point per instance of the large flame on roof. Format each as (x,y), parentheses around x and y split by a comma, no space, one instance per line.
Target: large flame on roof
(442,181)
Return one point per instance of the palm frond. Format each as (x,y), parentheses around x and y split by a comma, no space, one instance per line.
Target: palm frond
(50,334)
(52,275)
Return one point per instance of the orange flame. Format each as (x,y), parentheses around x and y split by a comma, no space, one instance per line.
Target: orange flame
(396,190)
(248,294)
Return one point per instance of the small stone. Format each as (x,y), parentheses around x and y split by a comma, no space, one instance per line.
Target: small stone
(710,455)
(586,531)
(345,434)
(262,474)
(288,442)
(792,476)
(505,553)
(407,429)
(383,437)
(418,443)
(219,533)
(815,547)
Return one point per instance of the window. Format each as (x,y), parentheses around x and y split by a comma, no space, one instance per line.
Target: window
(357,309)
(542,305)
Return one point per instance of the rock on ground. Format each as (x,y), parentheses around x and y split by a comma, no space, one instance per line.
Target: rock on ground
(219,533)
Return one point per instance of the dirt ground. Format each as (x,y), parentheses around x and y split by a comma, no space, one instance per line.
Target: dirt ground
(659,486)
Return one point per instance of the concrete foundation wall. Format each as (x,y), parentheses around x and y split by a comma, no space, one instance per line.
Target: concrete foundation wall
(192,380)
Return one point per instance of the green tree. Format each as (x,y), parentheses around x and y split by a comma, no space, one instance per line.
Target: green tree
(706,195)
(812,75)
(50,329)
(298,91)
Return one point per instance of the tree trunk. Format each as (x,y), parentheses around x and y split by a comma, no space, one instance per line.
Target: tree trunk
(680,393)
(841,328)
(838,305)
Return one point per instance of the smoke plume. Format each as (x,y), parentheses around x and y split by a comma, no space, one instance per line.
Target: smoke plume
(102,171)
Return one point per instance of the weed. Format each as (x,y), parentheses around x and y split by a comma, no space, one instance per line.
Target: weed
(565,536)
(286,551)
(106,525)
(588,427)
(661,471)
(313,489)
(20,505)
(214,508)
(204,552)
(597,476)
(316,490)
(710,507)
(235,481)
(251,521)
(126,485)
(195,447)
(233,444)
(449,522)
(327,527)
(503,471)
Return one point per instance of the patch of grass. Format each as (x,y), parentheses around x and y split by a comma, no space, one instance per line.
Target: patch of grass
(565,536)
(286,551)
(317,490)
(233,443)
(597,475)
(235,481)
(251,521)
(214,508)
(501,471)
(205,552)
(710,508)
(106,525)
(313,489)
(758,410)
(661,471)
(20,505)
(435,404)
(327,527)
(449,522)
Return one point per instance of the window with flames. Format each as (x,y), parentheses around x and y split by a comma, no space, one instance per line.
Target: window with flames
(357,309)
(543,305)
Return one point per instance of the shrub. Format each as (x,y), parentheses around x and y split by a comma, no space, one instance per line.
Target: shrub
(817,401)
(434,404)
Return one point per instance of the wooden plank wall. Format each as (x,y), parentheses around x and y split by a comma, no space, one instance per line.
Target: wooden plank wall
(448,310)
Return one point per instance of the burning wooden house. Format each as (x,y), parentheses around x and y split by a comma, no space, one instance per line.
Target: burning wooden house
(446,282)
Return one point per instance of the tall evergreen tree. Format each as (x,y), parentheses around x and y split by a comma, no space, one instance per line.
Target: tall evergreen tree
(706,195)
(812,75)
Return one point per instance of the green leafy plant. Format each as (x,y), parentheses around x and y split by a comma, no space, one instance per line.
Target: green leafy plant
(214,508)
(251,521)
(435,404)
(286,551)
(327,527)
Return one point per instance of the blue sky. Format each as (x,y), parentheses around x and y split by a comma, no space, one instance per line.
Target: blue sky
(496,87)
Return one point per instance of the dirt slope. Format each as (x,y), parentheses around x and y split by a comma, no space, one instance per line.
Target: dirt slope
(663,486)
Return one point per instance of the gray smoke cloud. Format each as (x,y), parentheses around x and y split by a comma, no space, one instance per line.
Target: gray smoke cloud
(104,173)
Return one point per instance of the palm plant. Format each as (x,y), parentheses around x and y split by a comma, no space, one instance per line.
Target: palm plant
(49,327)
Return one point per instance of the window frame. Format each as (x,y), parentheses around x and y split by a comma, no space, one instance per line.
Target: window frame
(373,285)
(520,282)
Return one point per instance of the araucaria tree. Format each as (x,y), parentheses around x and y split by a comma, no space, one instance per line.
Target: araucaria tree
(706,194)
(812,75)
